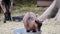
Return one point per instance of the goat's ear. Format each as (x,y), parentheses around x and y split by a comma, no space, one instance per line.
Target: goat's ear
(37,21)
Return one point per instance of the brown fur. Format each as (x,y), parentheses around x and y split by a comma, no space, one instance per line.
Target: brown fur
(29,21)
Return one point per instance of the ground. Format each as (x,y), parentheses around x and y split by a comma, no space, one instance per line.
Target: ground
(50,26)
(8,28)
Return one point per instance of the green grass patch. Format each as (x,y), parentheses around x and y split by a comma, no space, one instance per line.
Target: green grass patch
(23,10)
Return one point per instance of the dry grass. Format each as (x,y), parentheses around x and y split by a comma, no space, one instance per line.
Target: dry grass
(8,28)
(49,26)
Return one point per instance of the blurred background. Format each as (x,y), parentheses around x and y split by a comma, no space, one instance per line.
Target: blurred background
(20,7)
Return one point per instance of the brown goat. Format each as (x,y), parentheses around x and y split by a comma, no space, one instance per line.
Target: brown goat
(30,22)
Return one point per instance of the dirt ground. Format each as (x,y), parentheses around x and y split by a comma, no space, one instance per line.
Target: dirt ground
(8,28)
(49,27)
